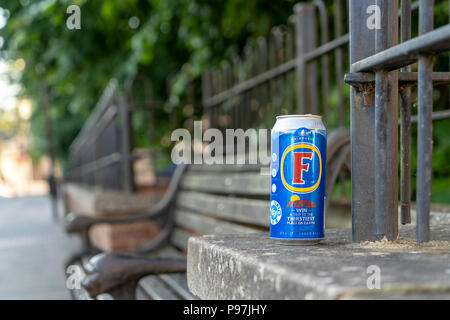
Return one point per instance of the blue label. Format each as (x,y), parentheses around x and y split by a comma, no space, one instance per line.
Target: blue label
(297,207)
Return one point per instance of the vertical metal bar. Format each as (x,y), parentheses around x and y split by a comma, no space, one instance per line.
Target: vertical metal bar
(277,44)
(205,90)
(238,68)
(272,64)
(362,45)
(338,61)
(249,52)
(127,161)
(212,112)
(386,129)
(306,73)
(261,65)
(425,128)
(324,59)
(339,78)
(151,117)
(288,101)
(110,177)
(173,110)
(405,125)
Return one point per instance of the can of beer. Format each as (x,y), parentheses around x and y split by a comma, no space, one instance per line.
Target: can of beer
(297,198)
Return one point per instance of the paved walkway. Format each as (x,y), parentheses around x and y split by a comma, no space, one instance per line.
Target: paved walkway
(33,249)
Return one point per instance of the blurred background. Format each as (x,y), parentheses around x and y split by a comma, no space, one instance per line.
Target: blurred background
(164,40)
(170,42)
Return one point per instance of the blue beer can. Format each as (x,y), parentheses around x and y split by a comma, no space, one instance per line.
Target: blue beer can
(297,198)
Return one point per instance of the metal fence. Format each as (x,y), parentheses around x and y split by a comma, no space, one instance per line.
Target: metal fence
(101,153)
(295,70)
(120,130)
(280,75)
(290,73)
(375,58)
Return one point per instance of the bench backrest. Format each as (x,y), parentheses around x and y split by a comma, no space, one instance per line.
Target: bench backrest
(222,199)
(230,199)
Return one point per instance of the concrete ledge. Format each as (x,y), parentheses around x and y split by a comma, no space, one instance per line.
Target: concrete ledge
(255,267)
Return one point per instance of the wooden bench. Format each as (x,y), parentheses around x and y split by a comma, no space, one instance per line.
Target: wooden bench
(201,199)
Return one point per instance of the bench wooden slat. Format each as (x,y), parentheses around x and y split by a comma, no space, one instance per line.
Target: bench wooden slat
(230,168)
(250,211)
(166,287)
(208,225)
(153,288)
(180,238)
(178,283)
(228,183)
(166,252)
(141,294)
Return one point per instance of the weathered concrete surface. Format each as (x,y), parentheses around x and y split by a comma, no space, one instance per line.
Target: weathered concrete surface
(437,215)
(33,250)
(255,267)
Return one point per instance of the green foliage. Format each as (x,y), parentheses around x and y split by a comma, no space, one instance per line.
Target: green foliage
(9,121)
(77,64)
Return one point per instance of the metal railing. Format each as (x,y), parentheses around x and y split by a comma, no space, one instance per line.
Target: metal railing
(289,73)
(375,58)
(101,154)
(280,75)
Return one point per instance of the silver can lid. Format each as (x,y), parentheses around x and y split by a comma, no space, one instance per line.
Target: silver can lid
(303,116)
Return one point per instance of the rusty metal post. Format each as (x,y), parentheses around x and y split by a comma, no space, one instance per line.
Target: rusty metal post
(339,61)
(425,128)
(362,117)
(306,73)
(386,128)
(405,125)
(324,59)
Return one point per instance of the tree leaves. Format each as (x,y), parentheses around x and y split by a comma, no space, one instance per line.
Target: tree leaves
(186,35)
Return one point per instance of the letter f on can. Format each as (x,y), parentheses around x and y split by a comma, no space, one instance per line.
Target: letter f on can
(299,166)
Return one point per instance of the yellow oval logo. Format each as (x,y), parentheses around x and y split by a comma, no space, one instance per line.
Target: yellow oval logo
(303,162)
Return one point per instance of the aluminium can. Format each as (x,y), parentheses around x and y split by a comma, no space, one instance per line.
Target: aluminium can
(297,198)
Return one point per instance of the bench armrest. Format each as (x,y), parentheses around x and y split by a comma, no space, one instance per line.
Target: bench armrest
(118,274)
(78,223)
